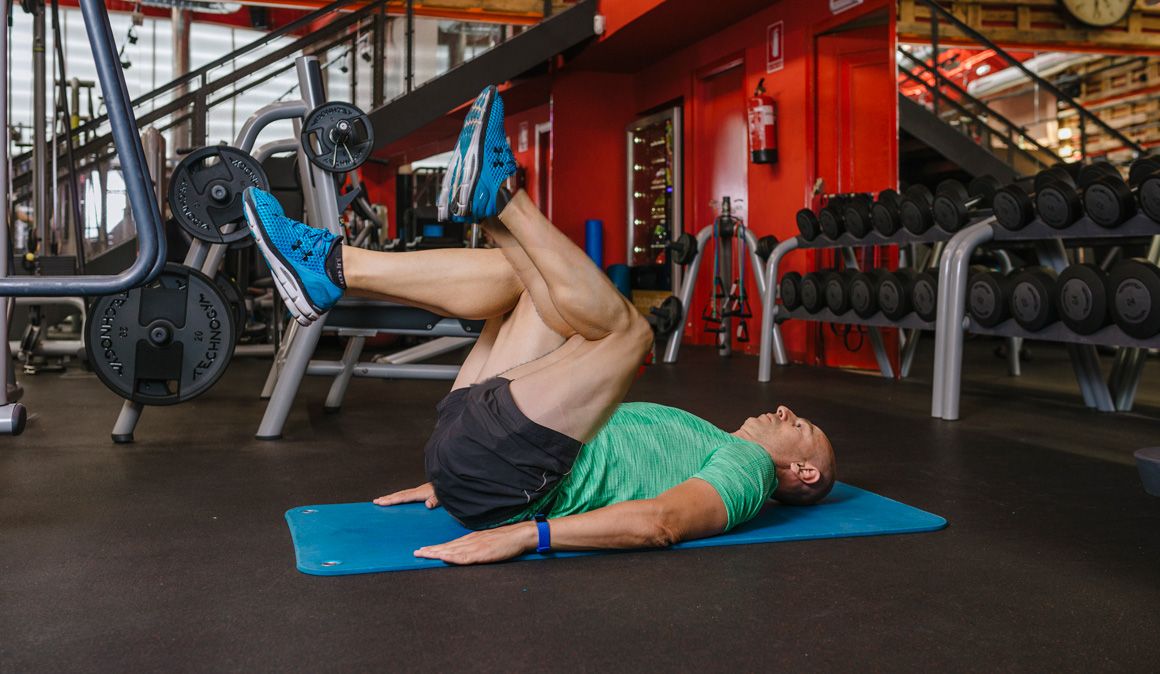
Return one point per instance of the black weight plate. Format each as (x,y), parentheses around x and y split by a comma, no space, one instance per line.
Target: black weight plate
(233,295)
(163,343)
(1081,298)
(1031,304)
(987,298)
(858,218)
(1058,205)
(667,317)
(1142,168)
(1108,201)
(790,289)
(983,188)
(924,295)
(837,290)
(205,192)
(884,213)
(1134,296)
(863,295)
(812,295)
(919,193)
(915,215)
(1051,175)
(950,213)
(1092,172)
(830,220)
(808,225)
(894,291)
(1149,197)
(1013,207)
(953,189)
(337,137)
(684,248)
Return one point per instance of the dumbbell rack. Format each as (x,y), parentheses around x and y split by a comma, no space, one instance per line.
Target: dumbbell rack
(1116,394)
(772,345)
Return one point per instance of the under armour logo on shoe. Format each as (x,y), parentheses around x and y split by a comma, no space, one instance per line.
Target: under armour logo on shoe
(296,245)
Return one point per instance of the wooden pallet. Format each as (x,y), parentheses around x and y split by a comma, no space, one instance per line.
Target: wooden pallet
(1031,24)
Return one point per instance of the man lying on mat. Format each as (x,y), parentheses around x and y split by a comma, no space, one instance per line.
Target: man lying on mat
(534,426)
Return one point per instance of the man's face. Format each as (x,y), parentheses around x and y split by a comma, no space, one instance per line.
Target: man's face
(785,436)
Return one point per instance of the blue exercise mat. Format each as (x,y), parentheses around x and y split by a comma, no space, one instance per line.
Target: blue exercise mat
(348,538)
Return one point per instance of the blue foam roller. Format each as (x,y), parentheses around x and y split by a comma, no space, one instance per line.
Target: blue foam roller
(349,538)
(621,278)
(594,241)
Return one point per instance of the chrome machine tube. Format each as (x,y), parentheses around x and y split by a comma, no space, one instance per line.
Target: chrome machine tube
(772,345)
(686,296)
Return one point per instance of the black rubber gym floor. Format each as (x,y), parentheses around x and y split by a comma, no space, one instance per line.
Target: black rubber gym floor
(172,554)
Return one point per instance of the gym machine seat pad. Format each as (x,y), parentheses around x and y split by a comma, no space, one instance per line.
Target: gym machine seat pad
(350,538)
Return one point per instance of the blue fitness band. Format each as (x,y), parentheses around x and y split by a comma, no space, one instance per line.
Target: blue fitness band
(545,544)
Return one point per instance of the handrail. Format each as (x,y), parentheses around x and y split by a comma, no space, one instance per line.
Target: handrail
(943,14)
(991,112)
(146,214)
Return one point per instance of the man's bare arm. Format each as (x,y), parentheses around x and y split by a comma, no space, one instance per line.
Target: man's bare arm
(692,509)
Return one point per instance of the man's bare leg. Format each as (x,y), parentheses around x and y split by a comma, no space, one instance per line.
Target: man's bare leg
(575,388)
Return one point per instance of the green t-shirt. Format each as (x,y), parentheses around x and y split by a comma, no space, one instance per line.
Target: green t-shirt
(647,449)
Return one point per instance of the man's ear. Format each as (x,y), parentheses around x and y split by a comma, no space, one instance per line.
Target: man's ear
(807,472)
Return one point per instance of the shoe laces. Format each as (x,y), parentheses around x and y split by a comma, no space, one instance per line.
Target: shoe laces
(311,241)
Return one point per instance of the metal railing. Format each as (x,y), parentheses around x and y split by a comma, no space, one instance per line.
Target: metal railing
(985,119)
(940,15)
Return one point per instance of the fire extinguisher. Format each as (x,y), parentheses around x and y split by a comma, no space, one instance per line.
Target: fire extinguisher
(762,126)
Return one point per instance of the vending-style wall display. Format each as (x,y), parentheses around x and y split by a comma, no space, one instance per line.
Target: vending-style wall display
(654,197)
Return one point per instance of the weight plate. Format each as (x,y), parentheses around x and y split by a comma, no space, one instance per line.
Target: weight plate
(894,292)
(790,289)
(953,189)
(1093,172)
(765,246)
(1108,201)
(1149,197)
(233,295)
(830,220)
(205,192)
(1051,175)
(667,317)
(162,343)
(1081,298)
(950,213)
(836,288)
(1058,205)
(924,296)
(983,188)
(1142,168)
(337,137)
(812,295)
(987,299)
(920,193)
(1031,303)
(858,218)
(884,213)
(808,225)
(684,248)
(1134,288)
(1013,208)
(863,295)
(915,215)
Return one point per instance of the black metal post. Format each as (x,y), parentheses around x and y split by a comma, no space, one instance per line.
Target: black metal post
(62,110)
(378,57)
(936,92)
(410,47)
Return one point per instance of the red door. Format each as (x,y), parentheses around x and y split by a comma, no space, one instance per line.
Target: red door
(856,151)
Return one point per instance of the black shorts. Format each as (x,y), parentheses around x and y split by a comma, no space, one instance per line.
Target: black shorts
(487,460)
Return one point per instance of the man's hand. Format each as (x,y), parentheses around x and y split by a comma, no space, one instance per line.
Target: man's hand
(482,547)
(423,493)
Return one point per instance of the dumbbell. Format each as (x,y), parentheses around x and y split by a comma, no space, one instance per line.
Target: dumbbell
(813,295)
(1081,298)
(863,292)
(924,295)
(1059,204)
(790,289)
(988,292)
(765,246)
(894,294)
(955,204)
(914,211)
(1108,200)
(1014,206)
(807,223)
(837,290)
(884,213)
(1144,176)
(857,215)
(1134,296)
(683,249)
(1031,291)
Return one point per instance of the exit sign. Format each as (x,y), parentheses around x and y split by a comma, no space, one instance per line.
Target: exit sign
(775,47)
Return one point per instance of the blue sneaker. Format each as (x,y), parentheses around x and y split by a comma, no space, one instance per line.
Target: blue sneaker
(296,254)
(481,162)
